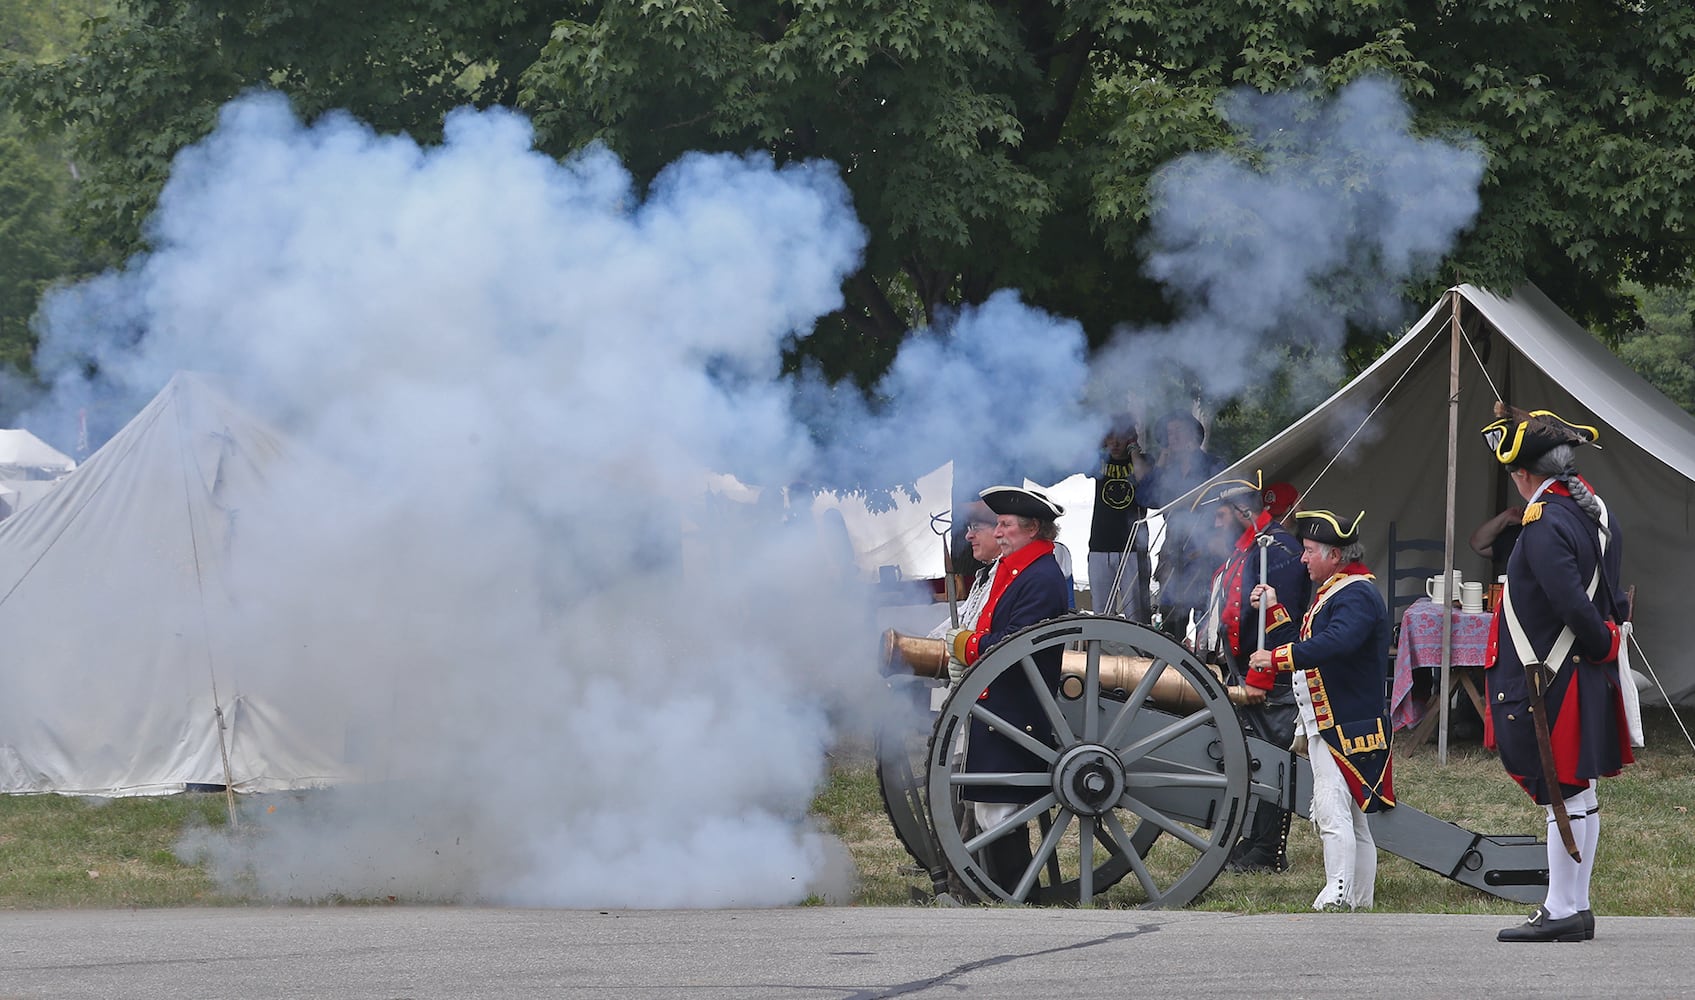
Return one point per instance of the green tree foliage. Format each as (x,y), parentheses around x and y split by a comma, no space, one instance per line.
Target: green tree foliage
(1663,350)
(34,248)
(987,144)
(150,78)
(35,177)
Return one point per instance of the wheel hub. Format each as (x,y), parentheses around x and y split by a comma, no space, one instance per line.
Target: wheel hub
(1088,779)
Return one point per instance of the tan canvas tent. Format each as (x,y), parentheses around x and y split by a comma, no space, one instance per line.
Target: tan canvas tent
(1381,444)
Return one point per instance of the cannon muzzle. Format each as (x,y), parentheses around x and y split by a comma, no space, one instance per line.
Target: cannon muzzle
(914,654)
(928,657)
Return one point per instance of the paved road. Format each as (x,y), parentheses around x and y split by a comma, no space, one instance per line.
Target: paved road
(828,953)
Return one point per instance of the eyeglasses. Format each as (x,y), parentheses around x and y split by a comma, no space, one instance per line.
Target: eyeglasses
(971,526)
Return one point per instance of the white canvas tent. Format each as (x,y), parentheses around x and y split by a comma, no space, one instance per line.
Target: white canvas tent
(904,536)
(114,605)
(1381,444)
(25,456)
(29,469)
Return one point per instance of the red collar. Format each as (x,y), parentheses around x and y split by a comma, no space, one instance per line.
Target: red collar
(1251,532)
(1032,551)
(1560,488)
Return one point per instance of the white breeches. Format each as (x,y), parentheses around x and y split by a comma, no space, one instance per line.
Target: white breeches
(1350,854)
(992,814)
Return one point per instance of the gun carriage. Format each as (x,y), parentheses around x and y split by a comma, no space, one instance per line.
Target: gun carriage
(1147,773)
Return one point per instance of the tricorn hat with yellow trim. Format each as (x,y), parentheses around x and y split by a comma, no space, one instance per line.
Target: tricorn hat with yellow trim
(1225,490)
(1520,437)
(1328,527)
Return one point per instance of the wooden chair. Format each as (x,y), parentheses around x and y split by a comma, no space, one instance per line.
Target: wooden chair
(1406,562)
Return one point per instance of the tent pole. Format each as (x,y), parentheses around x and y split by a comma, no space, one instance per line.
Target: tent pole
(1454,335)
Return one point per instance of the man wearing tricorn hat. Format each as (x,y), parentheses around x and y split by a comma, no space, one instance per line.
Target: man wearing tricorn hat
(1231,627)
(1555,701)
(1337,668)
(980,535)
(1028,586)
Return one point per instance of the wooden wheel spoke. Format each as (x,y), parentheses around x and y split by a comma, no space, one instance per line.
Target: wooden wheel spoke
(1164,822)
(1162,736)
(1050,706)
(1011,733)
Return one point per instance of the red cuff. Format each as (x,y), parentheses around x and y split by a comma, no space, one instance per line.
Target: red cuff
(1264,677)
(1276,617)
(966,647)
(1612,650)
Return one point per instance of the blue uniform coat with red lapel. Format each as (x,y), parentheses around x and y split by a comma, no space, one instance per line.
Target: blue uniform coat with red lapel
(1286,575)
(1033,592)
(1547,574)
(1345,641)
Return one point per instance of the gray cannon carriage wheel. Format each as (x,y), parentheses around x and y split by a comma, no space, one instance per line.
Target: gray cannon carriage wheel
(1161,760)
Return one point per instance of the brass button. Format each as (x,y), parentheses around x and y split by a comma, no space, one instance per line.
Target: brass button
(1511,717)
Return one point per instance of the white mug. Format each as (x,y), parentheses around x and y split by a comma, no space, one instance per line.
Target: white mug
(1471,597)
(1439,590)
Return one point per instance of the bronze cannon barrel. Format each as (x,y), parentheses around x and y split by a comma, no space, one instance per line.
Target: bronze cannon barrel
(928,657)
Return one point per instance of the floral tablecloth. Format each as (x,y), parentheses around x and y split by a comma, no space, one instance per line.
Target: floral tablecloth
(1421,649)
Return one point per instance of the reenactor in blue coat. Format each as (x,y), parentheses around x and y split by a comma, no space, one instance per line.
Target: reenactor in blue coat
(1555,700)
(1028,587)
(1338,666)
(1232,630)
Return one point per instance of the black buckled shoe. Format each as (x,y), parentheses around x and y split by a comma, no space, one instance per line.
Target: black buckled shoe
(1540,927)
(1588,924)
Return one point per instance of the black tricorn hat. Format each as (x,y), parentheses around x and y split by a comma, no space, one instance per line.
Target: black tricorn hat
(1328,527)
(1225,490)
(1021,502)
(1520,437)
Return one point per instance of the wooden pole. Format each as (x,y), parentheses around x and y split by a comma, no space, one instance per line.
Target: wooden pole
(1454,335)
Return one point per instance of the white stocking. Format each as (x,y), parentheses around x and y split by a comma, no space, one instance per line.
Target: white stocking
(1591,840)
(1568,880)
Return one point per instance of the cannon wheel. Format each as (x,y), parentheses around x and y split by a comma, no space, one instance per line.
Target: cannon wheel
(1120,773)
(899,761)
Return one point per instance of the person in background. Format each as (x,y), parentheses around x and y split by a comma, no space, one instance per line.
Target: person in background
(1232,625)
(1494,539)
(1185,559)
(1560,614)
(980,535)
(1027,587)
(1337,666)
(1119,569)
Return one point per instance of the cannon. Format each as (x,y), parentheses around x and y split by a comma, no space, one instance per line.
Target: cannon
(1147,773)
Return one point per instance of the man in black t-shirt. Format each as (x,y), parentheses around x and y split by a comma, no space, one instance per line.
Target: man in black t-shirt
(1118,566)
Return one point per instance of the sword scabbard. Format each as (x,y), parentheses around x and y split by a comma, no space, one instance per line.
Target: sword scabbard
(1534,674)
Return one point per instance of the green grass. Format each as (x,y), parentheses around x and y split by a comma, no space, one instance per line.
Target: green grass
(58,852)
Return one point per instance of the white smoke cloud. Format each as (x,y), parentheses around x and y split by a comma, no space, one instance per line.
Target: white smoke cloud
(568,676)
(1326,208)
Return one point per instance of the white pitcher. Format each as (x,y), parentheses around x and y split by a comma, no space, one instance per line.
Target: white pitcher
(1442,589)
